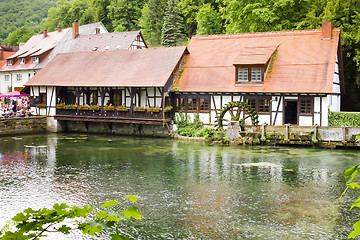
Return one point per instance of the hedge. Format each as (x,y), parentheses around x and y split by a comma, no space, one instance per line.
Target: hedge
(349,119)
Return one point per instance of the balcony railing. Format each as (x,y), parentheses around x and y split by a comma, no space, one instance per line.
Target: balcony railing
(114,115)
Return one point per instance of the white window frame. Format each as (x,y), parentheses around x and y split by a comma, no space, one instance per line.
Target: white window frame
(35,60)
(7,78)
(18,77)
(22,61)
(243,75)
(256,74)
(9,62)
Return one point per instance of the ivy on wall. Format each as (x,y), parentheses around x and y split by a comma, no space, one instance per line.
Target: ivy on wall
(349,119)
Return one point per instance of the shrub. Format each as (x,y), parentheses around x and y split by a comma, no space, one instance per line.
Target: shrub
(206,132)
(349,119)
(186,127)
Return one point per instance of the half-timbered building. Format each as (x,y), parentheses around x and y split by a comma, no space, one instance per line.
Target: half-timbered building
(287,77)
(117,86)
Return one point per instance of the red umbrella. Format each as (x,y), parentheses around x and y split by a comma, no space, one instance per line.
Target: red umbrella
(13,94)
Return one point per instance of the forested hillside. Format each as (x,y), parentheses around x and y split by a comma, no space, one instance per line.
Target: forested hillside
(18,13)
(173,22)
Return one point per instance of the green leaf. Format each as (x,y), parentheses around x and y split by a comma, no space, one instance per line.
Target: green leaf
(82,212)
(91,228)
(109,203)
(356,231)
(351,173)
(132,198)
(101,214)
(353,185)
(20,217)
(64,229)
(356,203)
(118,237)
(132,212)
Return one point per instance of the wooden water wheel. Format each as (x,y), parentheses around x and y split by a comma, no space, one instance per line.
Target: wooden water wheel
(236,112)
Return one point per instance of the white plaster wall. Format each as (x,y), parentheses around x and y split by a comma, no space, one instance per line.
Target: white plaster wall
(336,78)
(264,119)
(317,117)
(25,76)
(216,104)
(334,102)
(274,104)
(305,120)
(325,104)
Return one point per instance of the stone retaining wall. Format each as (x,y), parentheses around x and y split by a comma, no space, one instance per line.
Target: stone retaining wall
(22,125)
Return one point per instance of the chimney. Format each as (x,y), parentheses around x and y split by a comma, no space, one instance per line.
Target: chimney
(75,29)
(59,29)
(326,30)
(45,33)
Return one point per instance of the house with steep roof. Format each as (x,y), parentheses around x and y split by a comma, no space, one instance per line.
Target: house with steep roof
(38,51)
(135,82)
(286,77)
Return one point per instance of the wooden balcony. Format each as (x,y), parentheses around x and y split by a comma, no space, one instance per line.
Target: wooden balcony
(130,116)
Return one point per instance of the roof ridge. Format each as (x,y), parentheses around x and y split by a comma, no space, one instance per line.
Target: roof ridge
(256,34)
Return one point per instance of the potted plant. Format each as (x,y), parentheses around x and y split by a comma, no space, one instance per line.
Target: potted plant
(94,107)
(153,109)
(168,108)
(139,109)
(122,108)
(109,108)
(41,105)
(83,107)
(60,106)
(71,106)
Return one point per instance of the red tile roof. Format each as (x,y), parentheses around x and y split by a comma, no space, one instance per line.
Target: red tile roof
(5,55)
(114,68)
(305,63)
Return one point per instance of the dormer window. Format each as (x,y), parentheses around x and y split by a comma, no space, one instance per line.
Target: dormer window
(249,74)
(21,61)
(9,62)
(35,60)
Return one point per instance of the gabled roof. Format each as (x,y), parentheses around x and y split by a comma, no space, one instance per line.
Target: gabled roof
(67,43)
(55,42)
(39,43)
(105,41)
(114,68)
(305,63)
(5,55)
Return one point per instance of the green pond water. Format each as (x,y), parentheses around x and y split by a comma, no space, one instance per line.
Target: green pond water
(188,190)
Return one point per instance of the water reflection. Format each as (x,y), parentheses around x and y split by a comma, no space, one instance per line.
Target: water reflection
(189,190)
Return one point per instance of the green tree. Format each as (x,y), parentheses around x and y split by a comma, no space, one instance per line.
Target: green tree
(19,35)
(124,14)
(189,9)
(151,21)
(34,224)
(209,20)
(171,30)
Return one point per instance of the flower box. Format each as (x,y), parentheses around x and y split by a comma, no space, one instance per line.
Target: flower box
(122,109)
(139,109)
(153,110)
(109,108)
(94,108)
(71,106)
(41,105)
(60,106)
(168,108)
(83,107)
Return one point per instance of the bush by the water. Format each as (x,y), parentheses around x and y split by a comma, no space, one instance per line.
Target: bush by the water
(195,128)
(349,119)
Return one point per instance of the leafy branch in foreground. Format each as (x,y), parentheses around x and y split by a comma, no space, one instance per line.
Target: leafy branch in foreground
(350,174)
(33,224)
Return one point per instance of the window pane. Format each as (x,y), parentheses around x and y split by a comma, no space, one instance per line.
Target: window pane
(192,104)
(264,105)
(256,74)
(243,74)
(7,78)
(306,106)
(204,104)
(180,104)
(251,102)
